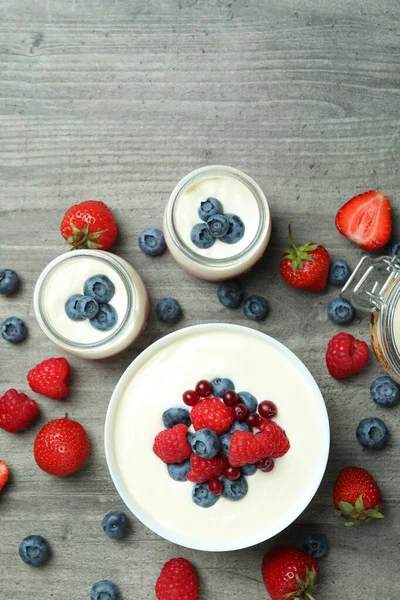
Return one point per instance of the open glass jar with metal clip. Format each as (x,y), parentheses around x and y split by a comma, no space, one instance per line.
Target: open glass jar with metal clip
(374,286)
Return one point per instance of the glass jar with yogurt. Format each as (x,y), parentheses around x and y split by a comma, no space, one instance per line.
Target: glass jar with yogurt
(374,286)
(239,195)
(65,276)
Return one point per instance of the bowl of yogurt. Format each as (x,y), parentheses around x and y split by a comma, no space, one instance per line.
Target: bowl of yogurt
(65,277)
(238,197)
(155,381)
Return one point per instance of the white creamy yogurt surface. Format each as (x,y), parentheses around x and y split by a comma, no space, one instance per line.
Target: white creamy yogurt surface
(255,363)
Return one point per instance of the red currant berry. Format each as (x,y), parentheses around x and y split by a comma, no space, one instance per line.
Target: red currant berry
(215,486)
(190,398)
(239,412)
(265,464)
(267,409)
(230,398)
(232,473)
(253,419)
(263,423)
(204,388)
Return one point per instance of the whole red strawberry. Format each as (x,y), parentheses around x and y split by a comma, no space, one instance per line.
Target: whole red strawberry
(247,448)
(305,267)
(177,581)
(366,219)
(89,224)
(16,411)
(61,447)
(3,474)
(357,496)
(171,445)
(288,572)
(50,378)
(204,469)
(345,355)
(211,413)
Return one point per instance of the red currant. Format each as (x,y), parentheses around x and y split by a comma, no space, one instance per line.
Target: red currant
(215,486)
(190,398)
(204,388)
(263,423)
(230,398)
(239,412)
(267,409)
(253,419)
(232,473)
(265,464)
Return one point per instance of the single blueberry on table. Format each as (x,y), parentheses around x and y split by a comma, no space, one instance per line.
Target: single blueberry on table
(178,471)
(115,524)
(221,385)
(175,415)
(168,310)
(34,550)
(99,287)
(218,225)
(248,470)
(201,236)
(395,250)
(234,490)
(13,330)
(8,281)
(104,590)
(372,433)
(205,443)
(225,441)
(255,308)
(340,311)
(105,318)
(385,391)
(339,272)
(202,496)
(239,426)
(235,231)
(87,307)
(209,208)
(230,294)
(249,401)
(152,242)
(315,544)
(71,307)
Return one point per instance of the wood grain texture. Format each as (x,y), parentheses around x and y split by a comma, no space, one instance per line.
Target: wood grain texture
(118,100)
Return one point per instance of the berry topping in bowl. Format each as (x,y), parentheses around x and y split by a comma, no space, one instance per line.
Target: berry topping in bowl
(220,385)
(179,471)
(202,496)
(236,229)
(105,319)
(234,489)
(99,287)
(205,443)
(210,207)
(204,388)
(230,398)
(87,307)
(201,236)
(249,401)
(190,397)
(71,307)
(267,409)
(265,464)
(218,225)
(173,416)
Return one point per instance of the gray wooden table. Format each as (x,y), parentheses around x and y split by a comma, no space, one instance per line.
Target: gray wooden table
(118,100)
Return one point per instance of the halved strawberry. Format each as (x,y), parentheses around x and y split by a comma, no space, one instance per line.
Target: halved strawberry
(366,219)
(3,474)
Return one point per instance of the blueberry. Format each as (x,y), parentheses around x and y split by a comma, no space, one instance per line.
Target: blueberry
(87,307)
(315,544)
(173,416)
(340,311)
(71,307)
(104,590)
(34,550)
(202,496)
(105,319)
(249,401)
(235,231)
(225,441)
(234,490)
(255,308)
(239,426)
(218,225)
(230,294)
(178,471)
(13,330)
(209,208)
(248,470)
(8,281)
(385,391)
(115,524)
(99,287)
(221,385)
(201,236)
(152,242)
(205,443)
(372,433)
(168,310)
(395,250)
(339,272)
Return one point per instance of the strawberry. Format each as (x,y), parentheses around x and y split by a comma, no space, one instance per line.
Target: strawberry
(50,378)
(204,469)
(16,411)
(247,448)
(305,267)
(345,355)
(356,495)
(61,447)
(3,474)
(89,224)
(177,581)
(288,572)
(171,444)
(211,413)
(366,219)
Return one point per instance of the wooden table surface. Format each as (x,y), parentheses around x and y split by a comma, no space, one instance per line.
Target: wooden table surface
(118,100)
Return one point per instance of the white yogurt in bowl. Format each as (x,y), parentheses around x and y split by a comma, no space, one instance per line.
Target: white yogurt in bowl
(156,380)
(239,195)
(66,276)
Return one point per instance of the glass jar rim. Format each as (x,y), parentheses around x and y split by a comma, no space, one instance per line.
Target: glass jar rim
(387,313)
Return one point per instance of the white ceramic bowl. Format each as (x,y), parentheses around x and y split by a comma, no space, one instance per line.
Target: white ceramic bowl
(155,381)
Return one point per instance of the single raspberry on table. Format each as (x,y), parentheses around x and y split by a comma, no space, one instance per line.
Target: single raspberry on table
(50,378)
(171,444)
(204,469)
(16,411)
(211,413)
(247,448)
(177,581)
(345,355)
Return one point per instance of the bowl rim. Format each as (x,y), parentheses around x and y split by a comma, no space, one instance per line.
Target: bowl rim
(258,536)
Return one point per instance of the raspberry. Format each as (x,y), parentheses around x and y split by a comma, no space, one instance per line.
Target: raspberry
(204,469)
(211,413)
(16,411)
(345,355)
(247,448)
(50,378)
(171,444)
(177,581)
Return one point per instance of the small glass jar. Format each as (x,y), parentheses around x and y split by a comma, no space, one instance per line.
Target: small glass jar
(374,286)
(64,277)
(239,195)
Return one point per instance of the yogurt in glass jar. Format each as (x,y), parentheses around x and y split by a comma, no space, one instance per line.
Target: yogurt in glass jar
(65,276)
(239,195)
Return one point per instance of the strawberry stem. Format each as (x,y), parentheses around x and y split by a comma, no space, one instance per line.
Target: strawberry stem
(309,596)
(295,248)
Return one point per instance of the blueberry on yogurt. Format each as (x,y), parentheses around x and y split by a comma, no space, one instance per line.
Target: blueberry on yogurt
(201,236)
(71,307)
(221,385)
(235,230)
(202,496)
(234,490)
(205,443)
(99,287)
(87,307)
(178,471)
(105,318)
(174,416)
(218,225)
(249,401)
(209,208)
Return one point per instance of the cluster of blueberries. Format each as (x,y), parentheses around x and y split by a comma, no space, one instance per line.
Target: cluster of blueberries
(12,329)
(93,304)
(227,228)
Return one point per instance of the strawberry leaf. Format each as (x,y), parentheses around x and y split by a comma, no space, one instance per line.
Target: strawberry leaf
(359,505)
(346,507)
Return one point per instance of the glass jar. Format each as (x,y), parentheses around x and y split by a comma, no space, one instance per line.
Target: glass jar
(239,195)
(66,276)
(374,286)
